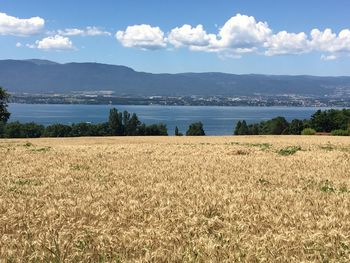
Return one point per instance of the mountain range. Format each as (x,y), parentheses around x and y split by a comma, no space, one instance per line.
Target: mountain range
(43,76)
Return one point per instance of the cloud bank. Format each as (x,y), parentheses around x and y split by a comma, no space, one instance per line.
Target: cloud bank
(240,34)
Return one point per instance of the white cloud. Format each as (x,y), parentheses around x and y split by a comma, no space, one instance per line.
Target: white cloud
(189,36)
(284,43)
(18,44)
(88,31)
(10,25)
(30,45)
(329,57)
(56,42)
(328,41)
(70,32)
(95,31)
(318,41)
(240,34)
(143,36)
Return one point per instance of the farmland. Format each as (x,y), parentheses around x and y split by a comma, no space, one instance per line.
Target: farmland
(175,199)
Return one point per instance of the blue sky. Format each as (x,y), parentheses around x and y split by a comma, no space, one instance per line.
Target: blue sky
(269,37)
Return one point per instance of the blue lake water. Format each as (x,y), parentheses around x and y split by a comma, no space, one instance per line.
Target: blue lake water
(216,120)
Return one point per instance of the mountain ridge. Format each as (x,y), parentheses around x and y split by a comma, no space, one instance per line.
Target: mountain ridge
(44,76)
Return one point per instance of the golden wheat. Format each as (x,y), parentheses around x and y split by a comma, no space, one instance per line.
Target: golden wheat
(172,199)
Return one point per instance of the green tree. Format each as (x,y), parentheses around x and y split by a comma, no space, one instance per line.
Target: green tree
(103,129)
(13,130)
(279,125)
(126,119)
(176,131)
(156,130)
(2,129)
(163,130)
(244,128)
(296,126)
(328,120)
(116,122)
(23,130)
(58,130)
(195,129)
(83,129)
(254,129)
(4,114)
(132,125)
(237,128)
(32,130)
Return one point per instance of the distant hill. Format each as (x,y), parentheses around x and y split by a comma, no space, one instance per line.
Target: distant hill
(42,76)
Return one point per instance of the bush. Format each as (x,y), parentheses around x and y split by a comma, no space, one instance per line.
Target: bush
(308,131)
(340,133)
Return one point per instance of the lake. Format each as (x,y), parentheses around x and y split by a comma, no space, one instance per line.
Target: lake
(216,120)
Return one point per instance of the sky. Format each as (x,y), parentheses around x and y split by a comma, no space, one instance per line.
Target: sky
(234,36)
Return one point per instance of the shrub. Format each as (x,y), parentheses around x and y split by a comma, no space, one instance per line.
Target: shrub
(308,131)
(340,133)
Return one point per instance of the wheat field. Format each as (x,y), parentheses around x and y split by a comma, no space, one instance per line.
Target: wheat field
(175,199)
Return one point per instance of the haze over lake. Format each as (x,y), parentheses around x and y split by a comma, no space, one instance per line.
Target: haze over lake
(216,120)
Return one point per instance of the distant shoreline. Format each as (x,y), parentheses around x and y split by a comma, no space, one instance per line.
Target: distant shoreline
(190,105)
(195,100)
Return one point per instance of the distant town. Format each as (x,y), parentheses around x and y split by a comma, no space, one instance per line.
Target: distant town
(109,97)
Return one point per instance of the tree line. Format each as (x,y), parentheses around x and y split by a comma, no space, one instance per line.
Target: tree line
(336,122)
(118,124)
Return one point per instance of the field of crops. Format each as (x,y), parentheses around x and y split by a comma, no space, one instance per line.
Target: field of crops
(175,199)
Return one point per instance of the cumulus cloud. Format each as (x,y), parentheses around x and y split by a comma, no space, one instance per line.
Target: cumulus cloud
(143,36)
(88,31)
(56,42)
(330,42)
(10,25)
(284,43)
(240,34)
(18,44)
(318,41)
(189,36)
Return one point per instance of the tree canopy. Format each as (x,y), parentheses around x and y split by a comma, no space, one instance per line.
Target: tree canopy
(195,129)
(320,121)
(119,124)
